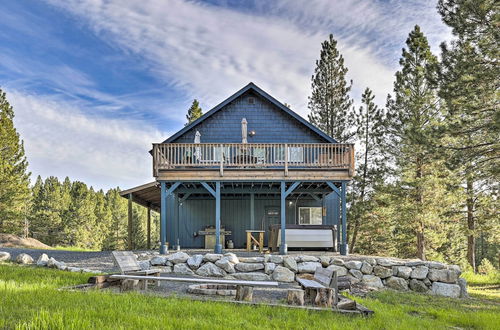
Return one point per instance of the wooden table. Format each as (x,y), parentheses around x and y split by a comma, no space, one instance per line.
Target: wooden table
(250,238)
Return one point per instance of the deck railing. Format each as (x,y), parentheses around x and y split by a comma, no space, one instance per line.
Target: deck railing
(170,156)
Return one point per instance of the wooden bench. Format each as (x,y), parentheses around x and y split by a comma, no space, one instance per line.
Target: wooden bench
(128,265)
(244,289)
(322,290)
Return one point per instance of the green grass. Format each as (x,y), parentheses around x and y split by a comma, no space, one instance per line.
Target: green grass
(74,248)
(30,300)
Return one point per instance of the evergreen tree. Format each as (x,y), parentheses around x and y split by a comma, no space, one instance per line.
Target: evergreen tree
(116,238)
(469,80)
(415,118)
(14,175)
(194,112)
(330,103)
(370,123)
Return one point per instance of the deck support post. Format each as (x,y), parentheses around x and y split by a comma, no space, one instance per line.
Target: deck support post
(218,245)
(284,193)
(163,218)
(252,211)
(163,213)
(129,240)
(343,244)
(338,220)
(149,228)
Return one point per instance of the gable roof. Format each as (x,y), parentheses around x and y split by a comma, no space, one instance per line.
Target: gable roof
(259,91)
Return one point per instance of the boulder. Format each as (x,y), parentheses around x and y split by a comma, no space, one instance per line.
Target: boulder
(225,265)
(256,276)
(354,264)
(194,262)
(248,267)
(42,260)
(415,263)
(61,265)
(4,256)
(164,269)
(446,290)
(325,261)
(442,275)
(371,261)
(290,263)
(308,267)
(51,263)
(336,261)
(24,259)
(308,259)
(388,262)
(209,269)
(341,270)
(382,272)
(403,271)
(158,261)
(366,268)
(396,283)
(462,283)
(372,281)
(231,257)
(74,269)
(269,267)
(252,260)
(418,286)
(277,259)
(178,257)
(436,265)
(456,269)
(283,274)
(352,279)
(356,273)
(144,264)
(419,272)
(212,257)
(182,269)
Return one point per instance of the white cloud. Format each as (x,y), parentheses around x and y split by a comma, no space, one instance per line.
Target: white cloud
(209,51)
(62,139)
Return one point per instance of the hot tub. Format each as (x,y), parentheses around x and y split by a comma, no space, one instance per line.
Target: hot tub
(303,236)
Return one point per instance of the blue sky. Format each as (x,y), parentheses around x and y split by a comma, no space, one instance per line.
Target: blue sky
(94,83)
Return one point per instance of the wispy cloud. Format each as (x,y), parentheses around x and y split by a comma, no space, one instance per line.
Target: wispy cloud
(61,138)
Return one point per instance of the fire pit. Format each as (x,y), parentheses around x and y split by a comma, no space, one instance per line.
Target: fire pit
(213,289)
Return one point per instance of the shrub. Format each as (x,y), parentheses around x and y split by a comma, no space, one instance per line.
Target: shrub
(486,267)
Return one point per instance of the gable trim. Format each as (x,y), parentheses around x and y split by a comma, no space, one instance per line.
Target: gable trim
(266,96)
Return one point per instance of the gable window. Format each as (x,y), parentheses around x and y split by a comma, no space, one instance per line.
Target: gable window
(310,216)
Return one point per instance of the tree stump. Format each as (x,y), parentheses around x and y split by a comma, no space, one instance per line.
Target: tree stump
(310,295)
(346,304)
(128,285)
(244,293)
(295,297)
(324,297)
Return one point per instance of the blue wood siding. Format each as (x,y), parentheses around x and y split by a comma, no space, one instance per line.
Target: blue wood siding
(271,124)
(198,212)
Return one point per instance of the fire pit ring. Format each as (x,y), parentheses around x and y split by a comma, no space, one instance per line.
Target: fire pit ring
(213,289)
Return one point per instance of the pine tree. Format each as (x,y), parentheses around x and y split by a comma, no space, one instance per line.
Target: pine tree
(117,234)
(330,103)
(14,175)
(370,123)
(469,80)
(415,120)
(194,112)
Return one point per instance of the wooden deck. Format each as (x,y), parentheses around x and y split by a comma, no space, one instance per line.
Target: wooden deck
(238,161)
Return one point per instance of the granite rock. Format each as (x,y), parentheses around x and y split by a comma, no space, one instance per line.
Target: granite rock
(354,264)
(308,266)
(194,262)
(396,283)
(4,256)
(210,270)
(419,272)
(341,270)
(290,263)
(178,257)
(446,290)
(366,268)
(372,281)
(226,265)
(182,269)
(24,259)
(248,267)
(255,276)
(382,272)
(283,274)
(42,260)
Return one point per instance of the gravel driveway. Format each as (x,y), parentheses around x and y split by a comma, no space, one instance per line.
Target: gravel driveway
(101,260)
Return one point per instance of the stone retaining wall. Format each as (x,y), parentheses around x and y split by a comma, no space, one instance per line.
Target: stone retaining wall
(369,272)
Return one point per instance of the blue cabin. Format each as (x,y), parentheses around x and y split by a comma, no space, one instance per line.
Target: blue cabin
(249,172)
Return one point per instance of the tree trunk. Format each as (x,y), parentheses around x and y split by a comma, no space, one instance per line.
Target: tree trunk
(244,293)
(324,297)
(419,201)
(471,224)
(295,297)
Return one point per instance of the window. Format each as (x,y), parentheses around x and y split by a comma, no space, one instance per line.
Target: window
(310,216)
(295,154)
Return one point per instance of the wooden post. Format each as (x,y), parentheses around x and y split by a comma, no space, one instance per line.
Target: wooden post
(261,242)
(163,218)
(221,160)
(343,245)
(149,228)
(129,241)
(295,297)
(244,293)
(286,159)
(218,246)
(249,241)
(283,219)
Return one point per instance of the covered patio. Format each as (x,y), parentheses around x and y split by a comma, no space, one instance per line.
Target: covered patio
(187,207)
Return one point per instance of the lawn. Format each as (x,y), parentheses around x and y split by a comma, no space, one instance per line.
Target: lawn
(30,300)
